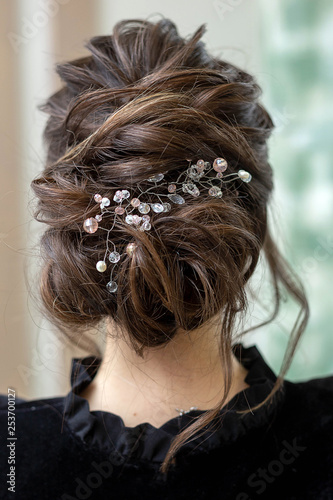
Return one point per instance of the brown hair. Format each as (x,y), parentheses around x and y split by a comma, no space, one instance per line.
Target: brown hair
(144,102)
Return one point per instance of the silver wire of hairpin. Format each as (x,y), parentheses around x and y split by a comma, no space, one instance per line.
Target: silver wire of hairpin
(195,175)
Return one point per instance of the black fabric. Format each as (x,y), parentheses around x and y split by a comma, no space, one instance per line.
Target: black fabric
(284,450)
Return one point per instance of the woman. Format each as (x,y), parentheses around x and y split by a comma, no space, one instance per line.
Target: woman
(155,195)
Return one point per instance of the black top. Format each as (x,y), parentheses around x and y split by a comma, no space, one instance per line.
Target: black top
(284,450)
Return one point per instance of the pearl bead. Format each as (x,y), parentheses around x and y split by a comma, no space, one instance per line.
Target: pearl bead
(101,266)
(244,175)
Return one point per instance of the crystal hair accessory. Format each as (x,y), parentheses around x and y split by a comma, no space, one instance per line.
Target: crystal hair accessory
(197,179)
(184,412)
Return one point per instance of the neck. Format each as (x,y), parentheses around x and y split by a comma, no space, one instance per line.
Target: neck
(186,372)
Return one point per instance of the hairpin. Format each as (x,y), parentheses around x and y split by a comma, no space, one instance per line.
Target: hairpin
(134,210)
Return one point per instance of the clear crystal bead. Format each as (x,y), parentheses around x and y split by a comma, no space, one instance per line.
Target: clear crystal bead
(90,225)
(189,187)
(146,226)
(176,198)
(98,198)
(136,219)
(146,218)
(129,219)
(215,191)
(105,202)
(117,199)
(220,165)
(112,286)
(157,207)
(156,178)
(119,210)
(135,202)
(144,208)
(126,194)
(119,194)
(114,257)
(98,217)
(172,188)
(200,164)
(166,207)
(194,173)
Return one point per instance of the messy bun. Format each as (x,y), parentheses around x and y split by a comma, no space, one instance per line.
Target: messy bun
(144,102)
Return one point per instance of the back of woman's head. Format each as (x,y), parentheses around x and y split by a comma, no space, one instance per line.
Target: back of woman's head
(144,102)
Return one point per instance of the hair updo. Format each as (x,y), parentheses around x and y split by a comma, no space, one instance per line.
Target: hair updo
(144,102)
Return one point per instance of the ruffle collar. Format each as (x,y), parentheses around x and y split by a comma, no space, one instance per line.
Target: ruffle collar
(144,442)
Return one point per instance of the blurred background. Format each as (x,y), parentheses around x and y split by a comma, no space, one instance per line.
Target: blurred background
(288,45)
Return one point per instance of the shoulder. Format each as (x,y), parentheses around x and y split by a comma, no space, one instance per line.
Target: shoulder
(45,414)
(38,427)
(24,405)
(308,407)
(315,394)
